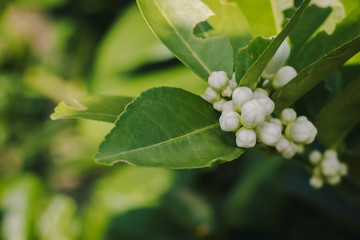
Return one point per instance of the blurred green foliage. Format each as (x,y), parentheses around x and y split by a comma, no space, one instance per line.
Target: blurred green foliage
(50,187)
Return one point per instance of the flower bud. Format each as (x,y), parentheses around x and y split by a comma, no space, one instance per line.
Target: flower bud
(253,113)
(316,182)
(277,61)
(228,106)
(229,121)
(218,80)
(218,105)
(330,153)
(302,131)
(283,76)
(276,121)
(315,157)
(343,169)
(245,138)
(269,133)
(232,83)
(330,166)
(286,148)
(211,95)
(288,115)
(333,180)
(268,104)
(260,93)
(240,96)
(227,92)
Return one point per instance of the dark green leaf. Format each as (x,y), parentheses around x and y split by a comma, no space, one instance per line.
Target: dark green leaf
(259,65)
(100,108)
(246,57)
(171,128)
(313,74)
(174,21)
(340,115)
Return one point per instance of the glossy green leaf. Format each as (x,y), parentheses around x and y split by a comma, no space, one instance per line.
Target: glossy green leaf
(100,108)
(340,115)
(171,128)
(174,21)
(246,57)
(322,43)
(229,20)
(313,74)
(259,65)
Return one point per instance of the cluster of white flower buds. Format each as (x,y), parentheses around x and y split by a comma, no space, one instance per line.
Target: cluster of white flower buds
(275,72)
(327,168)
(248,113)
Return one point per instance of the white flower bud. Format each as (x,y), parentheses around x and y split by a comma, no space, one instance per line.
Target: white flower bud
(253,113)
(277,61)
(229,121)
(245,138)
(316,182)
(228,106)
(286,148)
(315,157)
(260,93)
(269,133)
(330,166)
(232,83)
(268,104)
(330,153)
(227,92)
(302,131)
(333,180)
(218,80)
(288,115)
(276,121)
(283,76)
(343,169)
(302,118)
(211,95)
(240,96)
(218,105)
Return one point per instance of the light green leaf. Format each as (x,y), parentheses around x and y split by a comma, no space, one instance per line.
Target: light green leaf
(173,22)
(170,128)
(246,56)
(259,65)
(313,74)
(127,45)
(339,116)
(231,21)
(100,108)
(259,15)
(322,43)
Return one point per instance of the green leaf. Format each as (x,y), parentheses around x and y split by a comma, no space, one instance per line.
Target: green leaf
(322,43)
(173,22)
(246,56)
(170,128)
(340,115)
(259,16)
(100,108)
(309,22)
(259,65)
(229,20)
(313,74)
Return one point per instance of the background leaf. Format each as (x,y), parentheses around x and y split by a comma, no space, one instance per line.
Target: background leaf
(339,116)
(313,74)
(246,56)
(100,108)
(171,128)
(174,21)
(259,65)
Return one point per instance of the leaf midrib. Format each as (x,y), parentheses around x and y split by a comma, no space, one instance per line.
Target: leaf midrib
(160,143)
(182,39)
